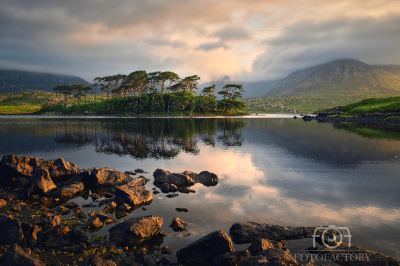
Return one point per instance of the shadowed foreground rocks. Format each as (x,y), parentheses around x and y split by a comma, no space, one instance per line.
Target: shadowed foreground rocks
(202,251)
(15,256)
(249,231)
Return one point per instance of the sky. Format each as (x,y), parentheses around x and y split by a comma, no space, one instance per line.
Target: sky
(248,40)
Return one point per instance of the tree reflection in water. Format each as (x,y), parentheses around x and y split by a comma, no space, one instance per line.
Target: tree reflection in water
(143,138)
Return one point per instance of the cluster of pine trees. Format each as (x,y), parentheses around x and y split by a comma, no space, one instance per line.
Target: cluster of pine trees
(155,92)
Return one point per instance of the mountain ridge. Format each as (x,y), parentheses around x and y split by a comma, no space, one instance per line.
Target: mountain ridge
(19,81)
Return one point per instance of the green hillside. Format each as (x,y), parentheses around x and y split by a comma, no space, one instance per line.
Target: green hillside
(336,83)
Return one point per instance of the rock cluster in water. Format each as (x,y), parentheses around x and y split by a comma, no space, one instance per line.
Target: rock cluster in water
(34,198)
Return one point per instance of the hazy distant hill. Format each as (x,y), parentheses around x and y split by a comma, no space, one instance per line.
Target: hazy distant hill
(340,76)
(18,81)
(335,83)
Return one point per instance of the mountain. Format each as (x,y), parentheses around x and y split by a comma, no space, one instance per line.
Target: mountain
(340,77)
(339,82)
(18,81)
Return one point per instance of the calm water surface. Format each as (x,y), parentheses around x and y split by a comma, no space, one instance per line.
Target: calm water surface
(271,170)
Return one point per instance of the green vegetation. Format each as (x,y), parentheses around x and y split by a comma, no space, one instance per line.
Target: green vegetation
(373,105)
(136,93)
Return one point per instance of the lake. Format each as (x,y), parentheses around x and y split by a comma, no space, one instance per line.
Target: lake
(271,169)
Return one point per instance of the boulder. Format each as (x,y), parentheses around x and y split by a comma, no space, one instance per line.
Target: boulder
(41,183)
(69,190)
(77,236)
(30,232)
(161,177)
(206,178)
(11,231)
(230,258)
(15,256)
(132,195)
(178,225)
(96,260)
(14,166)
(3,203)
(104,177)
(51,222)
(261,244)
(94,223)
(202,251)
(135,230)
(249,231)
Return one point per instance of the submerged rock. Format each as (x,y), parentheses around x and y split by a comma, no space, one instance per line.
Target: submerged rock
(249,231)
(135,230)
(202,251)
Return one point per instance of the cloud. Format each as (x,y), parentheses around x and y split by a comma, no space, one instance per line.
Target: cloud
(232,33)
(259,39)
(212,46)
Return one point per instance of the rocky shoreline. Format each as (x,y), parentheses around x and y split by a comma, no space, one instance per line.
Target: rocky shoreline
(40,226)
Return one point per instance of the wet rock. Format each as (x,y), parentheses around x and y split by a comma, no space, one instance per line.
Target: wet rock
(80,213)
(374,258)
(135,230)
(11,231)
(206,178)
(105,219)
(124,208)
(77,236)
(150,260)
(96,260)
(62,210)
(172,195)
(164,188)
(111,207)
(132,195)
(69,190)
(42,183)
(230,258)
(186,190)
(104,177)
(3,203)
(178,224)
(70,205)
(15,207)
(202,251)
(94,223)
(184,234)
(156,192)
(30,232)
(166,250)
(249,231)
(130,173)
(16,256)
(51,222)
(261,244)
(162,176)
(139,170)
(182,209)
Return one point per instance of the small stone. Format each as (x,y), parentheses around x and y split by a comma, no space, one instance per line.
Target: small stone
(166,250)
(62,210)
(70,205)
(172,195)
(156,192)
(164,233)
(95,223)
(3,203)
(15,208)
(144,208)
(182,209)
(178,224)
(139,170)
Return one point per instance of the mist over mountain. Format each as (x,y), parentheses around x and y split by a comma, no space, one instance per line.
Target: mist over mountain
(18,81)
(341,77)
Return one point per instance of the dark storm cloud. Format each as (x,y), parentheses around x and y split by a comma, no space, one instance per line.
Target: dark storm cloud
(305,44)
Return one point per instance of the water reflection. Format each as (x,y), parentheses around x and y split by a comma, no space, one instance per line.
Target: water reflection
(151,138)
